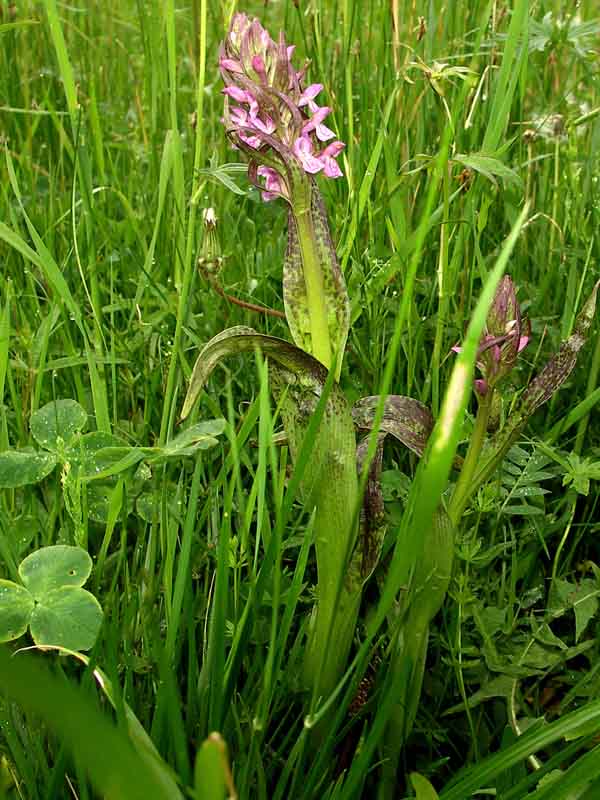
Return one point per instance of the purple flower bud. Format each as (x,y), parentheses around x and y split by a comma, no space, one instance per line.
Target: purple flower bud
(269,114)
(504,337)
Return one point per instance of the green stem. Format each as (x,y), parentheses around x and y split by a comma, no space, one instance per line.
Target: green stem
(464,487)
(315,287)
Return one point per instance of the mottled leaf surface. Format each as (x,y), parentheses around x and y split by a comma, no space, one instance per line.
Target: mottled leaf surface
(405,419)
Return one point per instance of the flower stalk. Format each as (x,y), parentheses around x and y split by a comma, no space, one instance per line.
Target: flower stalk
(315,288)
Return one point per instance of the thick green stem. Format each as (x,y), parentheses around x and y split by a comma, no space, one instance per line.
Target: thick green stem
(315,287)
(464,487)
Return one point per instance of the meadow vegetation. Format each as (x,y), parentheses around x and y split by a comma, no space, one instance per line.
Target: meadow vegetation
(457,653)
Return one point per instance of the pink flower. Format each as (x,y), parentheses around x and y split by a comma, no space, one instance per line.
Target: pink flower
(328,156)
(504,338)
(269,114)
(303,150)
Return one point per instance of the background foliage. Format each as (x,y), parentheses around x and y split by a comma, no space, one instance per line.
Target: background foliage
(112,151)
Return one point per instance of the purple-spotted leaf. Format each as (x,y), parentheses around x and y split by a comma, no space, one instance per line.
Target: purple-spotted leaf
(558,369)
(405,419)
(372,526)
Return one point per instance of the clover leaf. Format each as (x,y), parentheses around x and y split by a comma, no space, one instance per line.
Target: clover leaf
(51,601)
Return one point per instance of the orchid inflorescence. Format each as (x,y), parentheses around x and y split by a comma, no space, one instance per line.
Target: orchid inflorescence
(506,334)
(269,113)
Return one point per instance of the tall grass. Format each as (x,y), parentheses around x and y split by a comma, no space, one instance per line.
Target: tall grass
(111,142)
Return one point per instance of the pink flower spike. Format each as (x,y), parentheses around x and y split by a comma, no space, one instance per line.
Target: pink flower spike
(239,95)
(481,387)
(303,150)
(316,119)
(268,126)
(238,117)
(251,141)
(290,51)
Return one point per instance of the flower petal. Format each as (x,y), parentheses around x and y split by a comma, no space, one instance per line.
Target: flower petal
(239,95)
(303,150)
(324,133)
(309,94)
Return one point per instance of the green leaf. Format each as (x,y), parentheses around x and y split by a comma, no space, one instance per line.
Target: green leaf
(101,749)
(223,173)
(54,567)
(240,339)
(85,453)
(585,606)
(210,770)
(16,606)
(56,424)
(489,167)
(424,790)
(67,617)
(20,467)
(197,437)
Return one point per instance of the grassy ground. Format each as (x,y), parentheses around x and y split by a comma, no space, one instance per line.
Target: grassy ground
(110,124)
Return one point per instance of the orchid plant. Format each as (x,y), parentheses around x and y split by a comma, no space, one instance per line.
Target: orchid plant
(273,117)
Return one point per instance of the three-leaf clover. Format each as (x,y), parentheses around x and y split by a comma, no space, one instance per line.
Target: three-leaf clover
(51,602)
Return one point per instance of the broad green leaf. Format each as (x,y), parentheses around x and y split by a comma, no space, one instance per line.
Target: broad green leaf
(21,467)
(69,617)
(424,790)
(85,452)
(405,419)
(197,437)
(16,606)
(54,567)
(211,769)
(329,481)
(489,167)
(57,423)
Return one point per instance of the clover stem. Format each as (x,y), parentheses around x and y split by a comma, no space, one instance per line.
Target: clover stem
(464,487)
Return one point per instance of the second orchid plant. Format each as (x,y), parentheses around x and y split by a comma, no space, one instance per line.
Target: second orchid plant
(273,117)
